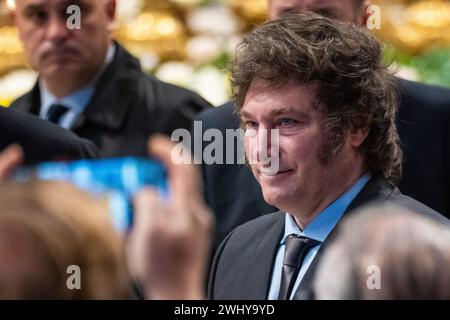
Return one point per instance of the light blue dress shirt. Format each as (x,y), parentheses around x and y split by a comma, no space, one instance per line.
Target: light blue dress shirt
(318,229)
(77,101)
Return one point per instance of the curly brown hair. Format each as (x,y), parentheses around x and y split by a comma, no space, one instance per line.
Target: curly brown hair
(355,87)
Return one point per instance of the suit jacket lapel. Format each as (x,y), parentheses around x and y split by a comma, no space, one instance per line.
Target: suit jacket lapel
(376,189)
(30,102)
(115,92)
(263,259)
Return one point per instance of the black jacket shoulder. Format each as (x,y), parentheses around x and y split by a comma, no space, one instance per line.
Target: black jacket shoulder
(434,97)
(42,140)
(222,117)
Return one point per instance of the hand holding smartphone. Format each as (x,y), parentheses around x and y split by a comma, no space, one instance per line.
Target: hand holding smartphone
(116,179)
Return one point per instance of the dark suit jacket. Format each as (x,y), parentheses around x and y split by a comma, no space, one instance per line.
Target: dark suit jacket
(127,107)
(423,124)
(42,140)
(242,267)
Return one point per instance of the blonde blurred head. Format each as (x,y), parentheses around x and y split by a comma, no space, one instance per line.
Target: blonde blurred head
(45,227)
(412,253)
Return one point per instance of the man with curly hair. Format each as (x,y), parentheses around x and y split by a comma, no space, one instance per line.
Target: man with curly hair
(423,124)
(321,89)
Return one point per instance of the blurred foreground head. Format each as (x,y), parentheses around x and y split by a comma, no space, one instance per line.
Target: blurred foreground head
(45,227)
(409,253)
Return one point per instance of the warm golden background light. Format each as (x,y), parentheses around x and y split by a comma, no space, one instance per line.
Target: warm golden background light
(188,42)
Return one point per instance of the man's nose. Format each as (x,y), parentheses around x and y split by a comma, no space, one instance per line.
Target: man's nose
(264,145)
(57,30)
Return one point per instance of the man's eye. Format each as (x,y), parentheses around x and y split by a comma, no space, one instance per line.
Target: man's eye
(38,16)
(286,122)
(250,125)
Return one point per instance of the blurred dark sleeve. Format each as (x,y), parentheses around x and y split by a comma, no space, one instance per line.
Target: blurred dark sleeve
(42,140)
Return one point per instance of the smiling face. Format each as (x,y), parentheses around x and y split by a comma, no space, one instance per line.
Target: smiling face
(55,50)
(303,182)
(342,10)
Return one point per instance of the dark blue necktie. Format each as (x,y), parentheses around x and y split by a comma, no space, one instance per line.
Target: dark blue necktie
(295,251)
(55,113)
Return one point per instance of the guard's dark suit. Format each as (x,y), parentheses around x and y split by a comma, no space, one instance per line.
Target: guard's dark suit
(127,107)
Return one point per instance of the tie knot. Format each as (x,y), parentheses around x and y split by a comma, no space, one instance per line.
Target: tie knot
(55,112)
(296,249)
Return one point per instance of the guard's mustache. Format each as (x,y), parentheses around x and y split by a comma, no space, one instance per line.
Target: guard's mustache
(59,50)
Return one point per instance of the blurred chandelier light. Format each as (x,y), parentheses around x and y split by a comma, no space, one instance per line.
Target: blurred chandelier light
(187,3)
(416,26)
(156,30)
(11,51)
(253,11)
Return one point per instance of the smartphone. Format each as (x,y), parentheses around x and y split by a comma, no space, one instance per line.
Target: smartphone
(118,179)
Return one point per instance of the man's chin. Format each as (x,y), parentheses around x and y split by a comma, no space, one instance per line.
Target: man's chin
(60,70)
(275,196)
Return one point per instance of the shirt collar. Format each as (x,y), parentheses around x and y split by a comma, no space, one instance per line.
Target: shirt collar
(78,100)
(324,223)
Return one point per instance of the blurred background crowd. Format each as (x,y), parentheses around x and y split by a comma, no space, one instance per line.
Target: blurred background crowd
(189,42)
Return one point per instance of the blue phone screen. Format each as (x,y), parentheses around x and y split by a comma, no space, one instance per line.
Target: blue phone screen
(117,179)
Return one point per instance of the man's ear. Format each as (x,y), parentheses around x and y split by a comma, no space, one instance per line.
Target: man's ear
(359,131)
(111,7)
(358,137)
